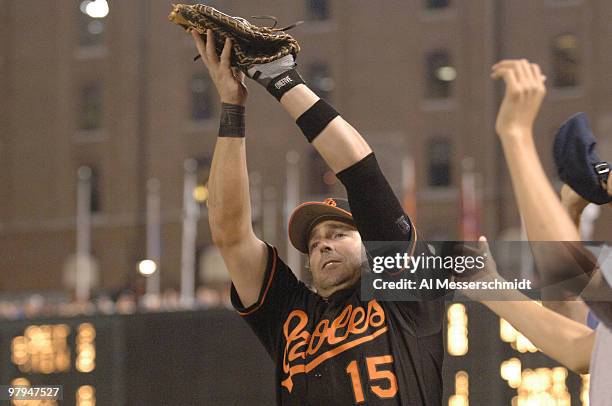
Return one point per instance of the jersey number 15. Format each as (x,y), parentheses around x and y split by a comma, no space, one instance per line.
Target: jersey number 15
(388,390)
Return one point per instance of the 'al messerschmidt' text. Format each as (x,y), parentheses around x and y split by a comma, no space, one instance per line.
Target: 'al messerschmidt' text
(408,284)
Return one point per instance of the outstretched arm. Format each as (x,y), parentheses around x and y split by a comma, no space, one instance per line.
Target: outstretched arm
(559,337)
(377,212)
(563,339)
(339,143)
(229,205)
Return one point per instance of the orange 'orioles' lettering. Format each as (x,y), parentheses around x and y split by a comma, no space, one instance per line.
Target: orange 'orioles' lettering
(301,342)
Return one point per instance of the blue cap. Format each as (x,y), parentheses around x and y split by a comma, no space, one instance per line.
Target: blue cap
(577,162)
(592,320)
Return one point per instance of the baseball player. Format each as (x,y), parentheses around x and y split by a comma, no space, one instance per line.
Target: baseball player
(329,346)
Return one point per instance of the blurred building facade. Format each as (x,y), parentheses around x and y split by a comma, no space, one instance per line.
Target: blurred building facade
(122,96)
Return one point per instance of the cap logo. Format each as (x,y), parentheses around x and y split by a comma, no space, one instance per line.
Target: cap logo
(330,202)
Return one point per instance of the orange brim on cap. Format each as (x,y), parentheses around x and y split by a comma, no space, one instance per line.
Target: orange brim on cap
(309,214)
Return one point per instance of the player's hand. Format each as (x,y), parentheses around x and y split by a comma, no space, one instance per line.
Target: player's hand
(228,81)
(487,274)
(573,203)
(525,91)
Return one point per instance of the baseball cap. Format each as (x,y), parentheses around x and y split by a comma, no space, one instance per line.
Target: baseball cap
(307,215)
(578,165)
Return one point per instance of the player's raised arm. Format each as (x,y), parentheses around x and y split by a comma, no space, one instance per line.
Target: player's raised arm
(376,210)
(337,141)
(229,205)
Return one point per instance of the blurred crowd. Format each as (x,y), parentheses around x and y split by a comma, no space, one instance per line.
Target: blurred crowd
(126,301)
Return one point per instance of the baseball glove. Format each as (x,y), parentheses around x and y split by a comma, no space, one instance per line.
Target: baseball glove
(251,44)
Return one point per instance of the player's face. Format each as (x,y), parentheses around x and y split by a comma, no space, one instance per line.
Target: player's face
(335,255)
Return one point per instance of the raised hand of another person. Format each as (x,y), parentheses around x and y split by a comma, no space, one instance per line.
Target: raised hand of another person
(525,91)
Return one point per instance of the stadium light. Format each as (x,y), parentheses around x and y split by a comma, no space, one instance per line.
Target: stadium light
(147,267)
(95,8)
(200,194)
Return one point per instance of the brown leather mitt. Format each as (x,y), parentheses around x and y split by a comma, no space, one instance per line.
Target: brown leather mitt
(251,44)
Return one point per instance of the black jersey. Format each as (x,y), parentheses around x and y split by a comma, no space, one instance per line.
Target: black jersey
(342,350)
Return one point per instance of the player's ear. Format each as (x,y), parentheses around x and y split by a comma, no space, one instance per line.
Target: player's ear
(307,265)
(307,275)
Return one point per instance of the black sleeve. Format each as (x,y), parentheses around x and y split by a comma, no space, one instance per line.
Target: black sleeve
(384,227)
(421,319)
(379,217)
(279,293)
(377,212)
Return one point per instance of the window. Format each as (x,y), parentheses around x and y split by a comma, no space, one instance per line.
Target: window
(200,97)
(565,61)
(91,29)
(95,204)
(439,158)
(90,107)
(320,80)
(321,178)
(90,174)
(436,3)
(318,9)
(440,75)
